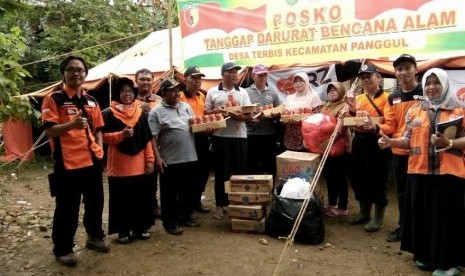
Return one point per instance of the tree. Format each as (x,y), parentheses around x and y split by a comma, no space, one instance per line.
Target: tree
(39,33)
(12,74)
(56,27)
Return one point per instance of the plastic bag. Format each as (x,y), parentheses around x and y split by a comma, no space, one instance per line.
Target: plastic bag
(295,188)
(283,214)
(317,130)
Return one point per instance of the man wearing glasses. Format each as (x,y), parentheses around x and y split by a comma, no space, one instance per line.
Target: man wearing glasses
(72,122)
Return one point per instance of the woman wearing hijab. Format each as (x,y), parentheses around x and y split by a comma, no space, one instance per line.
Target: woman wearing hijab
(129,160)
(335,169)
(435,204)
(304,97)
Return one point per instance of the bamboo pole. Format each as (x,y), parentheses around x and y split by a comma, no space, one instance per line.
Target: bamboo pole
(170,31)
(313,183)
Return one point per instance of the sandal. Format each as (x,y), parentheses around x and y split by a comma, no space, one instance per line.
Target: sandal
(329,207)
(334,213)
(218,213)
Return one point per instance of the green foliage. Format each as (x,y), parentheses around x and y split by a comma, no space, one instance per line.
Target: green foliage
(52,29)
(12,48)
(59,27)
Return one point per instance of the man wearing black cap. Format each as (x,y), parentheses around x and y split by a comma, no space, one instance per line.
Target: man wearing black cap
(368,164)
(399,102)
(196,99)
(230,143)
(175,154)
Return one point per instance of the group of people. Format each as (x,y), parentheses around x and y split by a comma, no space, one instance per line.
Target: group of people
(148,136)
(430,183)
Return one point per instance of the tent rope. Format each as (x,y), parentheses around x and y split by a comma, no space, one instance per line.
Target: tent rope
(34,147)
(31,149)
(83,49)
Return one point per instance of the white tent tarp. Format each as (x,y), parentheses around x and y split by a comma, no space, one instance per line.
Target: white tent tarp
(152,53)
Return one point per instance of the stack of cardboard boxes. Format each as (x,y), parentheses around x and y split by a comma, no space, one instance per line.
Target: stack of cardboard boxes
(249,197)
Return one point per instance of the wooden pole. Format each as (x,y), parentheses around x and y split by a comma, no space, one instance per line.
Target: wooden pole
(170,27)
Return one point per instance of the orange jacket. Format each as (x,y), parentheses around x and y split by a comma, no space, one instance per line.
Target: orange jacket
(119,163)
(423,159)
(197,102)
(72,147)
(394,117)
(363,105)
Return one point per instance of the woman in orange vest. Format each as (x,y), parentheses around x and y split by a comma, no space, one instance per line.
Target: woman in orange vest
(435,202)
(130,160)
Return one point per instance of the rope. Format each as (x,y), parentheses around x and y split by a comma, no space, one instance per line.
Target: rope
(31,149)
(316,177)
(87,48)
(3,165)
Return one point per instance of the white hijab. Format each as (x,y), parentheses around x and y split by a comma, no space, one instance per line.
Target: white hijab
(303,76)
(308,98)
(447,99)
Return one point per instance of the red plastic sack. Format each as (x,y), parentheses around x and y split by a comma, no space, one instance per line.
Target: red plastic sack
(316,131)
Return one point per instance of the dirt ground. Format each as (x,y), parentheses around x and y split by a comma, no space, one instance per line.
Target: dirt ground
(26,210)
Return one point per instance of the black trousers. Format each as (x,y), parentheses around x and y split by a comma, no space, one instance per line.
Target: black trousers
(368,169)
(74,183)
(202,171)
(129,204)
(230,156)
(176,193)
(153,178)
(400,167)
(262,154)
(335,172)
(434,224)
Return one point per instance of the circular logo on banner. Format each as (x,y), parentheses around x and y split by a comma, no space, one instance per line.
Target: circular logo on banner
(461,94)
(291,2)
(191,16)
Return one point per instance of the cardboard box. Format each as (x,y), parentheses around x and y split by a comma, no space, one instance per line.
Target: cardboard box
(295,164)
(295,117)
(246,187)
(274,110)
(250,183)
(247,198)
(354,121)
(250,226)
(255,212)
(242,109)
(214,125)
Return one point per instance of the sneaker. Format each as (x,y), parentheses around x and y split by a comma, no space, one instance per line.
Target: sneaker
(97,245)
(176,230)
(423,266)
(144,235)
(450,272)
(123,238)
(67,260)
(395,235)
